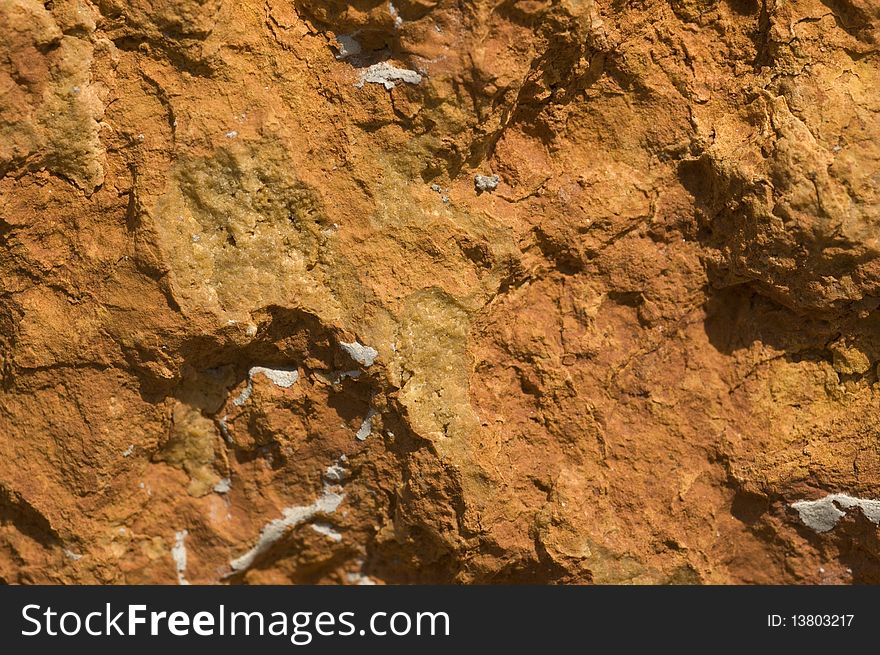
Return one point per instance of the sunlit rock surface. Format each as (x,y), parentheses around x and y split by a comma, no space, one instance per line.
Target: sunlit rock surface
(439,291)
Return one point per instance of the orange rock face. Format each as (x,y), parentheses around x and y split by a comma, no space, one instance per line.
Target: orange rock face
(553,291)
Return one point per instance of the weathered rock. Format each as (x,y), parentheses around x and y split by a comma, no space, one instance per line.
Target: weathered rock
(257,325)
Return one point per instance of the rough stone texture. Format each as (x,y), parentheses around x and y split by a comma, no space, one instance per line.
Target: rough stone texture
(625,364)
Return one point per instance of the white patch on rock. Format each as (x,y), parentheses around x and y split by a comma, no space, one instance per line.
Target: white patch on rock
(366,428)
(398,21)
(69,554)
(326,503)
(224,428)
(128,451)
(486,182)
(358,577)
(823,514)
(231,134)
(328,531)
(348,46)
(363,355)
(291,517)
(242,398)
(386,74)
(223,486)
(280,377)
(179,555)
(336,473)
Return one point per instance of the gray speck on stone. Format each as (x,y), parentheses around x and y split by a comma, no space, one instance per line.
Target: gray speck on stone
(327,530)
(486,182)
(69,554)
(291,517)
(224,428)
(386,74)
(242,398)
(348,46)
(358,578)
(335,473)
(823,514)
(363,355)
(398,20)
(280,377)
(178,552)
(366,428)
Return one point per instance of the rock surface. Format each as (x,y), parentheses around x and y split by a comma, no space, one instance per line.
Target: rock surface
(624,364)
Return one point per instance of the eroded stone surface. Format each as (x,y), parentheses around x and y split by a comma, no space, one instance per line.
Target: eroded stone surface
(624,364)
